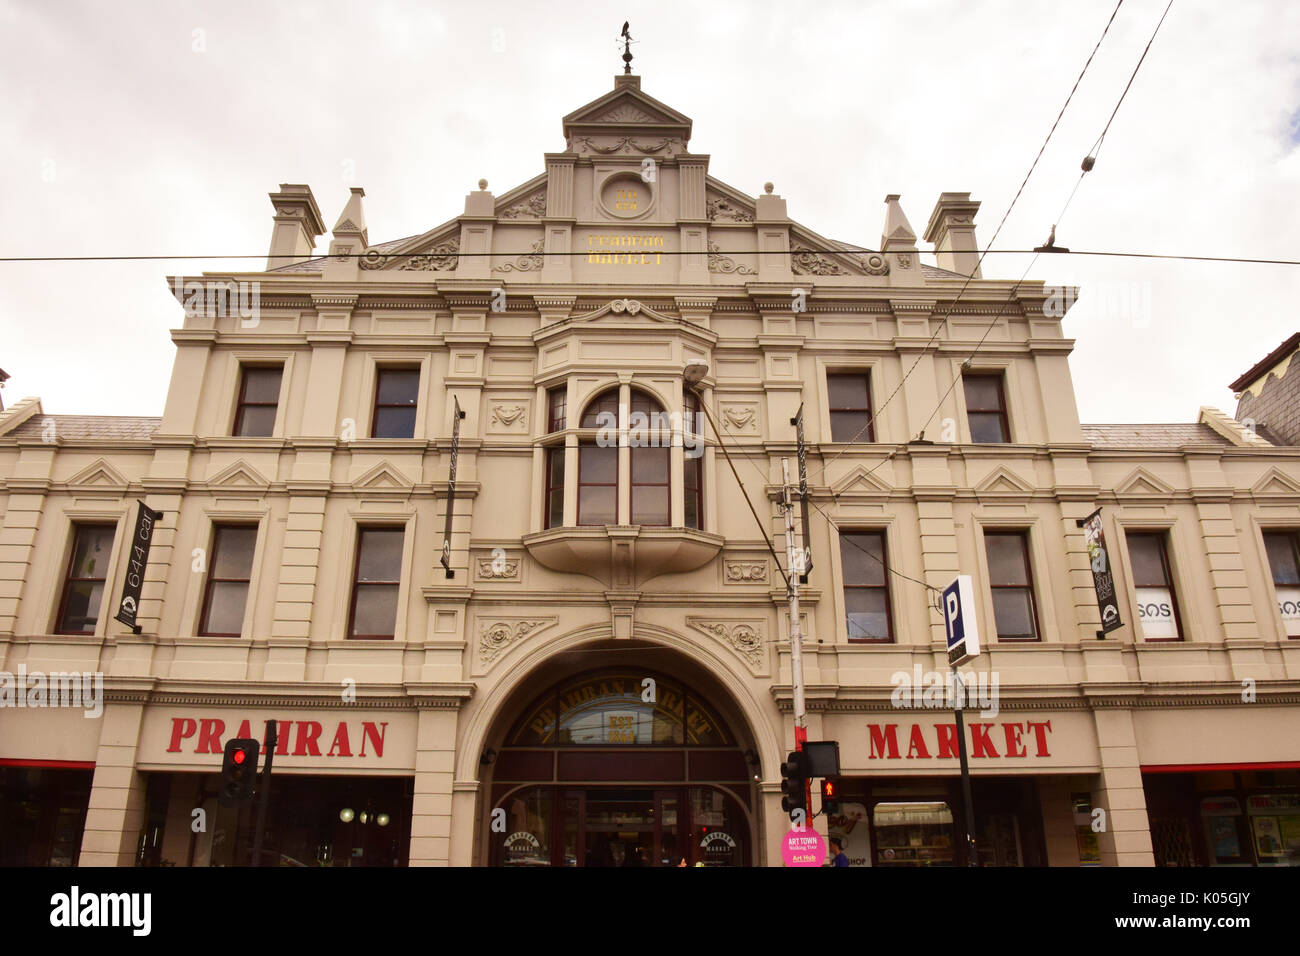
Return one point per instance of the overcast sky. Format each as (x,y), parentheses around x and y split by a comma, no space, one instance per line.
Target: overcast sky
(159,128)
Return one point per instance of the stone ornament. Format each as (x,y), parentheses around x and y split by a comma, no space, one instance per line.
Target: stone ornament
(873,263)
(440,258)
(534,207)
(725,264)
(807,262)
(741,417)
(494,637)
(508,415)
(743,638)
(742,572)
(493,569)
(530,261)
(723,210)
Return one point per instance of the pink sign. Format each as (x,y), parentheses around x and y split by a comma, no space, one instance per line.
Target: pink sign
(803,848)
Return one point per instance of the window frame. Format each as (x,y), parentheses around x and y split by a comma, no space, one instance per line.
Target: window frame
(1293,538)
(832,409)
(205,604)
(690,464)
(883,535)
(1003,416)
(68,579)
(1027,553)
(361,530)
(557,402)
(241,403)
(616,484)
(667,483)
(550,452)
(376,405)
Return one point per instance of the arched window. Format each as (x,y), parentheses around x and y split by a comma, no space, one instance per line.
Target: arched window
(601,479)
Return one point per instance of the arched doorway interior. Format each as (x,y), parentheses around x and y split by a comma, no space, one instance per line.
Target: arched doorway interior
(620,767)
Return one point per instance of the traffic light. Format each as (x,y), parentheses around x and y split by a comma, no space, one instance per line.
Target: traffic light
(830,797)
(794,782)
(238,771)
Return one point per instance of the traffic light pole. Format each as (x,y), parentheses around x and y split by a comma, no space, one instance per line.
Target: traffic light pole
(264,796)
(794,560)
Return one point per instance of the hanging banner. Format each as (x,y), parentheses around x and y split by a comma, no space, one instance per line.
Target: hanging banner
(129,606)
(1103,579)
(797,422)
(445,560)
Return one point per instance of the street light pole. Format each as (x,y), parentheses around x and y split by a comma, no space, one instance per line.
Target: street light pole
(794,560)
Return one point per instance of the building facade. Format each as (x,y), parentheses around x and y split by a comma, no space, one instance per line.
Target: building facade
(600,674)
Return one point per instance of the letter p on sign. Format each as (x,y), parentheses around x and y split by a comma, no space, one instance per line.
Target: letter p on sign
(959,620)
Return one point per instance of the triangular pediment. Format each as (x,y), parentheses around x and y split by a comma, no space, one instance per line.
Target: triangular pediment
(1003,481)
(1275,482)
(99,474)
(811,254)
(860,481)
(1142,482)
(626,107)
(240,474)
(381,477)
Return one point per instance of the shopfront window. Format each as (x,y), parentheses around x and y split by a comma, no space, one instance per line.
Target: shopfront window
(913,833)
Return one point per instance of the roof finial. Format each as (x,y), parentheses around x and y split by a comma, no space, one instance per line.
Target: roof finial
(627,50)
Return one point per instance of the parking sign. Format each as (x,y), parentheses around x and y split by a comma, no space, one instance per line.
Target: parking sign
(959,621)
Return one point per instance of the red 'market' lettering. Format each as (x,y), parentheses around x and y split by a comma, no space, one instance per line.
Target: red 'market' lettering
(245,731)
(375,735)
(979,738)
(182,727)
(917,743)
(341,743)
(210,731)
(1041,730)
(879,739)
(1013,741)
(308,732)
(947,740)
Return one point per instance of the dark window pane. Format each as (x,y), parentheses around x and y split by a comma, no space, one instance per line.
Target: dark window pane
(847,391)
(380,557)
(850,426)
(1282,558)
(608,402)
(398,386)
(555,512)
(867,613)
(1007,559)
(650,465)
(233,557)
(598,464)
(986,427)
(262,384)
(557,409)
(863,558)
(646,404)
(376,610)
(1013,613)
(1144,550)
(81,610)
(597,505)
(691,515)
(983,393)
(555,486)
(650,505)
(256,421)
(225,612)
(91,551)
(395,422)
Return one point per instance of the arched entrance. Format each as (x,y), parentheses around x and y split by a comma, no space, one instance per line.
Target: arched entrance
(619,765)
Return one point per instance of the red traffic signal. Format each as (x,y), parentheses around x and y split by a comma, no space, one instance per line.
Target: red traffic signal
(238,771)
(830,797)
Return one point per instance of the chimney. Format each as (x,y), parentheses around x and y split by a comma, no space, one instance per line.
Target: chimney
(952,230)
(297,224)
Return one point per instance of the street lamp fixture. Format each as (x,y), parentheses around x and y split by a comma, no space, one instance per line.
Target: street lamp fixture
(694,372)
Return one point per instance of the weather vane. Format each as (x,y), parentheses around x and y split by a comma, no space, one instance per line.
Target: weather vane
(627,49)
